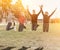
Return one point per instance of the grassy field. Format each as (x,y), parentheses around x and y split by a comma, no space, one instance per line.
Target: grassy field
(48,40)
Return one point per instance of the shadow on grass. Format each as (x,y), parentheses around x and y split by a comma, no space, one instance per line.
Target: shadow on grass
(39,48)
(24,48)
(8,48)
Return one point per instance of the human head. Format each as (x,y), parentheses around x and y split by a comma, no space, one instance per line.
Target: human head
(46,13)
(33,11)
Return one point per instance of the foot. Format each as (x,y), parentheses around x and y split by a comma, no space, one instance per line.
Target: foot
(37,25)
(24,27)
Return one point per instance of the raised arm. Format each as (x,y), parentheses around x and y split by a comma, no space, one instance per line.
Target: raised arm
(42,10)
(28,10)
(39,12)
(52,13)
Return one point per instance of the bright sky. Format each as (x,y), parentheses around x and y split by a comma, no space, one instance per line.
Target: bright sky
(48,5)
(13,1)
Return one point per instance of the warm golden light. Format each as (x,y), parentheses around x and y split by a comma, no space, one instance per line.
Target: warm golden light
(13,1)
(48,5)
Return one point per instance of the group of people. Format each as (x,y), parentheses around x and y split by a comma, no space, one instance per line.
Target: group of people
(34,20)
(46,17)
(11,24)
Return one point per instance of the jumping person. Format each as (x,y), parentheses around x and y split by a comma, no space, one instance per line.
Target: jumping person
(34,18)
(9,20)
(46,18)
(21,19)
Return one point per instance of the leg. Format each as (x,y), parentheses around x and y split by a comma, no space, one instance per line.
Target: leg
(47,28)
(24,26)
(32,26)
(8,26)
(35,26)
(11,28)
(44,27)
(21,27)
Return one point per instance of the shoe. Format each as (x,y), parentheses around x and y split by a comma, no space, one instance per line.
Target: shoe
(37,25)
(24,27)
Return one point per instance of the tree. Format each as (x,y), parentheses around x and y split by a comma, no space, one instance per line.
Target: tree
(6,4)
(20,7)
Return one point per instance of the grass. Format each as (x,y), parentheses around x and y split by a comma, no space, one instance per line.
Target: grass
(49,40)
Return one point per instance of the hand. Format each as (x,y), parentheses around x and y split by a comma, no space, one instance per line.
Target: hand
(55,9)
(41,6)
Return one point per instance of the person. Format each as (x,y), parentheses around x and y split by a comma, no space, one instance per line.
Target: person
(46,18)
(9,20)
(34,18)
(22,20)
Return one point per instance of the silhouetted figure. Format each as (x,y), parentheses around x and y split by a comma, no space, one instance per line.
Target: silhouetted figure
(9,20)
(24,48)
(39,48)
(8,48)
(46,18)
(22,20)
(34,18)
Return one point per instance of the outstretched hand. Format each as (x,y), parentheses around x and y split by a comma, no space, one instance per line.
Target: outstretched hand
(41,7)
(55,9)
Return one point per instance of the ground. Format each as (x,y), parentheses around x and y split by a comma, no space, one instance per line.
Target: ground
(48,40)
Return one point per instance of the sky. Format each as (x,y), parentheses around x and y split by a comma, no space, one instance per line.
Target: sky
(48,5)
